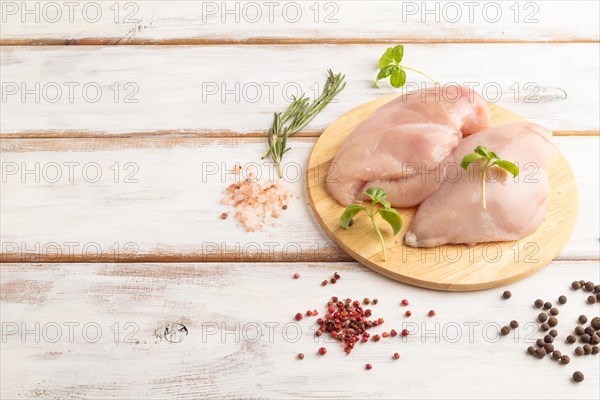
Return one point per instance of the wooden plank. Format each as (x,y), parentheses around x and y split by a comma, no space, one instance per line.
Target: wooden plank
(229,311)
(289,22)
(195,91)
(158,199)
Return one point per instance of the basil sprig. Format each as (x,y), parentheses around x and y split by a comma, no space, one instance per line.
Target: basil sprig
(489,160)
(389,66)
(386,212)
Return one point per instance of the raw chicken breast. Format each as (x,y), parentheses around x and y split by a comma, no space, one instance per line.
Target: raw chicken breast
(400,148)
(515,206)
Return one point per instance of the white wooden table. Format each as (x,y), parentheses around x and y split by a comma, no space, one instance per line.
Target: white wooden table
(119,121)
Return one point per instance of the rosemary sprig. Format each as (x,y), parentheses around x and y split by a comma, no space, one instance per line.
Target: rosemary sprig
(298,115)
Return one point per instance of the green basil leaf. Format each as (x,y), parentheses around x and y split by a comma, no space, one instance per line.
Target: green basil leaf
(393,218)
(508,166)
(387,58)
(398,78)
(386,71)
(482,150)
(398,53)
(348,214)
(469,159)
(376,194)
(385,203)
(495,155)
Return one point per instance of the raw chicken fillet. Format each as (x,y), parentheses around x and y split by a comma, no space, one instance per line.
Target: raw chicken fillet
(401,148)
(515,206)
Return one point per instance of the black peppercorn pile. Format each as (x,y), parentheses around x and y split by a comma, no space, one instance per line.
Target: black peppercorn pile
(587,333)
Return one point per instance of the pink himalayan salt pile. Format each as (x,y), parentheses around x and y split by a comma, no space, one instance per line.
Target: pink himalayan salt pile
(256,202)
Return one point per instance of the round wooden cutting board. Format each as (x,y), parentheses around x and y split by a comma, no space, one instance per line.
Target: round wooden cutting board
(449,267)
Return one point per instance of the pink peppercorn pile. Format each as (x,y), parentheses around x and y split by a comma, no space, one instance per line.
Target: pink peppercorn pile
(347,322)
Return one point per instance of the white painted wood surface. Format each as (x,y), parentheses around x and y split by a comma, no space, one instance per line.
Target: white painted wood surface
(173,210)
(159,209)
(203,89)
(338,21)
(216,302)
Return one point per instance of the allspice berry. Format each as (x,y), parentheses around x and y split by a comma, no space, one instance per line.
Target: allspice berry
(587,349)
(507,295)
(579,351)
(595,349)
(585,338)
(542,317)
(549,347)
(539,303)
(597,289)
(556,355)
(544,327)
(531,350)
(590,331)
(571,339)
(514,324)
(548,339)
(578,376)
(547,305)
(541,353)
(505,330)
(553,333)
(562,299)
(540,343)
(565,360)
(582,319)
(554,311)
(575,285)
(553,321)
(591,299)
(589,286)
(595,339)
(596,323)
(579,330)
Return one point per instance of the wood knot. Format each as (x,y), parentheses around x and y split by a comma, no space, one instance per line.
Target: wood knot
(175,332)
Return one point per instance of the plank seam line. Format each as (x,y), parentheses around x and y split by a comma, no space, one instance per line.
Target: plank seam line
(116,41)
(202,134)
(186,261)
